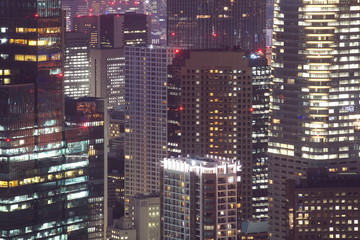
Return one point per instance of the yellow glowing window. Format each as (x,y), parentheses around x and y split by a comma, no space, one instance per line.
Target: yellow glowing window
(203,16)
(3,184)
(276,121)
(6,80)
(32,43)
(13,183)
(56,56)
(25,30)
(42,42)
(18,41)
(6,71)
(30,58)
(42,58)
(19,57)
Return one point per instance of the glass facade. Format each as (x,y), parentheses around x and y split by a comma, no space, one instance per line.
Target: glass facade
(44,167)
(85,121)
(315,99)
(216,24)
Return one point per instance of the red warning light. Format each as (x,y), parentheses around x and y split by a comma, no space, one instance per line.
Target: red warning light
(177,50)
(36,15)
(8,139)
(60,75)
(214,35)
(173,34)
(251,109)
(181,108)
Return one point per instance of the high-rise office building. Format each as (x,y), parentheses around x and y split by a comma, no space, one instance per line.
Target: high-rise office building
(325,205)
(144,211)
(114,30)
(77,65)
(146,117)
(315,98)
(121,229)
(261,74)
(44,167)
(107,76)
(108,36)
(200,198)
(74,8)
(156,9)
(196,24)
(86,117)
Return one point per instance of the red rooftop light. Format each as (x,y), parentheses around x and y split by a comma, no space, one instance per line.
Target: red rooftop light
(8,139)
(36,15)
(177,50)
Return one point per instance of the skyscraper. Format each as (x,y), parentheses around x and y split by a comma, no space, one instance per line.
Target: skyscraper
(214,112)
(43,169)
(85,118)
(108,36)
(146,117)
(197,24)
(261,73)
(74,8)
(77,65)
(315,99)
(114,30)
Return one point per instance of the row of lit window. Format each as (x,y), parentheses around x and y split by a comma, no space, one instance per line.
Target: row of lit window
(38,30)
(36,58)
(38,179)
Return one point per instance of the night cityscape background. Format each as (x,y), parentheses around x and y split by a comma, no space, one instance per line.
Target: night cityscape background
(179,119)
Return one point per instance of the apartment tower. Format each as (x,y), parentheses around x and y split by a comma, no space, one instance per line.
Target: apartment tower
(213,114)
(146,77)
(200,198)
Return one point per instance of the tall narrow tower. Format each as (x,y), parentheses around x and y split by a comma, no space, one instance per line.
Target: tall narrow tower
(315,100)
